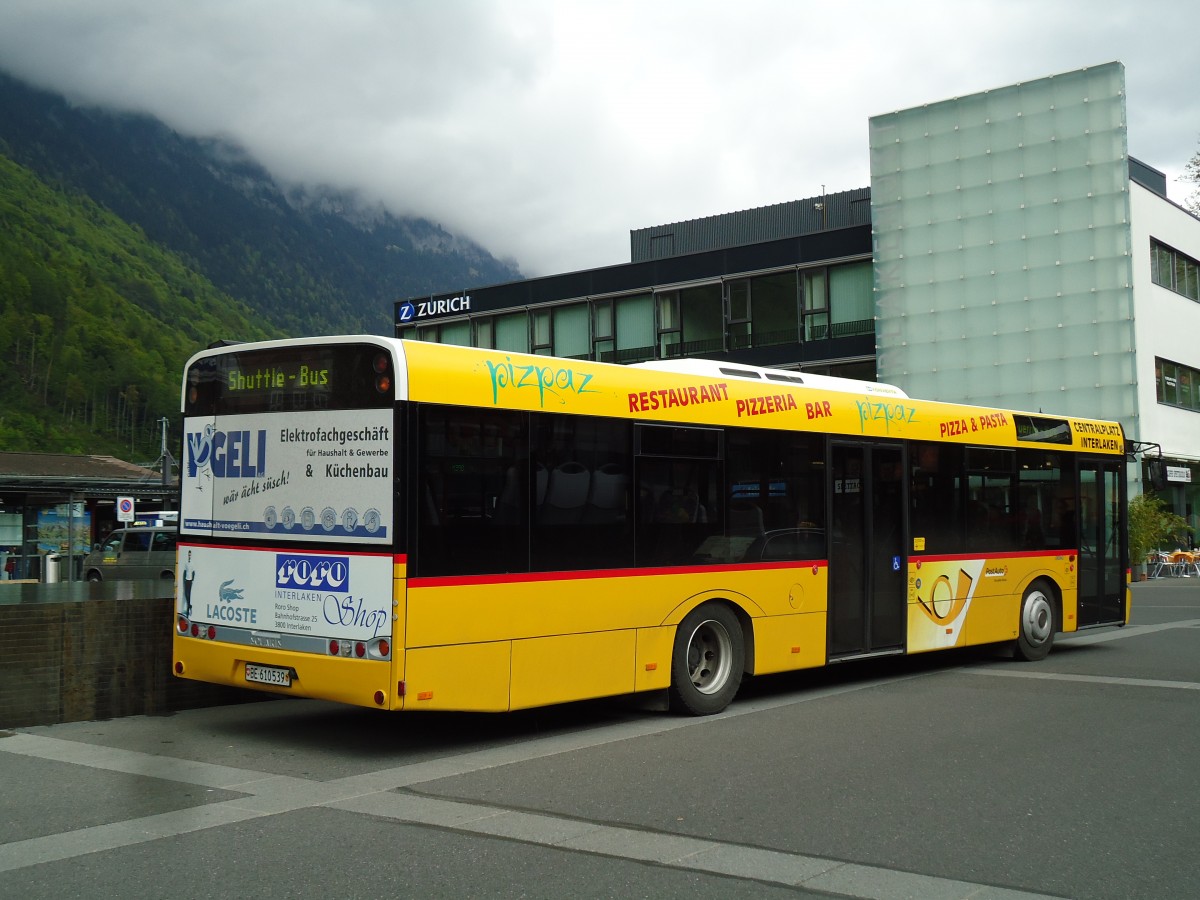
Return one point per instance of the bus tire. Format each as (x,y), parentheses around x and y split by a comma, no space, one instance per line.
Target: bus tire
(707,660)
(1038,622)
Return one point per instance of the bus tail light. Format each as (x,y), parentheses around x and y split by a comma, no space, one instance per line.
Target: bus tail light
(382,364)
(183,625)
(376,648)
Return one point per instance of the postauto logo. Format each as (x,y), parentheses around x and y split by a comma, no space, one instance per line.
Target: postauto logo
(312,573)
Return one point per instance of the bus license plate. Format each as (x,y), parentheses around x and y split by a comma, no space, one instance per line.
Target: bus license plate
(268,675)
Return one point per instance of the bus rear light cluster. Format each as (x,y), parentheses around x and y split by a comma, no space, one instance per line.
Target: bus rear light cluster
(382,364)
(195,629)
(376,648)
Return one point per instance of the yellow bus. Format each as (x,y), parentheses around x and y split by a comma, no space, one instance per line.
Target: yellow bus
(414,526)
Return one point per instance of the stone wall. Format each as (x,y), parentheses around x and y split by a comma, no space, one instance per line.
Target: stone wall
(78,652)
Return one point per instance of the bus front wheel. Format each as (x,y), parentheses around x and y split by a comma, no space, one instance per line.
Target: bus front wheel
(1037,628)
(707,662)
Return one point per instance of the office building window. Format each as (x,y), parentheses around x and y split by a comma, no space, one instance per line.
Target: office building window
(571,339)
(838,301)
(634,331)
(763,311)
(603,344)
(739,314)
(484,333)
(774,309)
(511,332)
(1177,385)
(1174,270)
(669,333)
(458,332)
(816,304)
(690,322)
(539,331)
(702,320)
(851,300)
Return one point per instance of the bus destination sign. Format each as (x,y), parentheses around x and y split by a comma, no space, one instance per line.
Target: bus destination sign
(278,378)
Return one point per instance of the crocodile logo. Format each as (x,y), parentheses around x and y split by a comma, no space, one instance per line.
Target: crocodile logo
(229,594)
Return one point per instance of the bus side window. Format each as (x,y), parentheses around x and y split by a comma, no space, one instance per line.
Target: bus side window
(936,496)
(776,495)
(473,516)
(582,511)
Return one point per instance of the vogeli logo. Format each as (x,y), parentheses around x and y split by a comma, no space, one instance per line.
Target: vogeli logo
(227,454)
(324,573)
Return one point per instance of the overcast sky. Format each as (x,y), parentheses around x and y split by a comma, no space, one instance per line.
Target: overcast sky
(546,130)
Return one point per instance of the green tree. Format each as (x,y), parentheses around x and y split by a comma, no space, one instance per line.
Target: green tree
(96,324)
(1191,174)
(1151,527)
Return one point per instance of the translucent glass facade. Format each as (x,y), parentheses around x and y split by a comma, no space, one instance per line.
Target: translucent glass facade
(1003,272)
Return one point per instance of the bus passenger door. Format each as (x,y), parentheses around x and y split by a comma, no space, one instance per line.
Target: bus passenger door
(1101,567)
(867,549)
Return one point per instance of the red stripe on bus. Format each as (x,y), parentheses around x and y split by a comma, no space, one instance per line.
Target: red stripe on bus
(527,577)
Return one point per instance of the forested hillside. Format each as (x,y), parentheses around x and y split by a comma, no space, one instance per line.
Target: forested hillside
(95,325)
(125,247)
(309,262)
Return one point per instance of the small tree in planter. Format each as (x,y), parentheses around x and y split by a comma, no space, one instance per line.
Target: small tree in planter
(1151,527)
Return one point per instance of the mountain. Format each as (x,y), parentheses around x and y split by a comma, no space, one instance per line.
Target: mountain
(308,261)
(125,248)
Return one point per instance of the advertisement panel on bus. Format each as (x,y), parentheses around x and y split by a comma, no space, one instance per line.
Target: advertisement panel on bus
(345,596)
(299,476)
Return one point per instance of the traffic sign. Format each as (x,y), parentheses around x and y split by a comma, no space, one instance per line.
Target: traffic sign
(124,509)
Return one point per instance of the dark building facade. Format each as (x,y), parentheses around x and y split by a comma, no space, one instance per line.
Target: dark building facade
(788,286)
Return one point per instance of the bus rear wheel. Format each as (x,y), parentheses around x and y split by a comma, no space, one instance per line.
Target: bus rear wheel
(1036,634)
(707,661)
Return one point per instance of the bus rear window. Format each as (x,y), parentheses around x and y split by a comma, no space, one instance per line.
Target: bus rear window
(289,379)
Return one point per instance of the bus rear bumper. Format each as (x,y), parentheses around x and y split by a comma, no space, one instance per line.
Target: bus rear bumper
(360,682)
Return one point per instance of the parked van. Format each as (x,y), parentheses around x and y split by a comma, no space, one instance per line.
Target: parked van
(133,553)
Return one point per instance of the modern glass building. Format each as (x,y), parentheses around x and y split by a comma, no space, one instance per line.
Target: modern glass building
(1008,251)
(1022,257)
